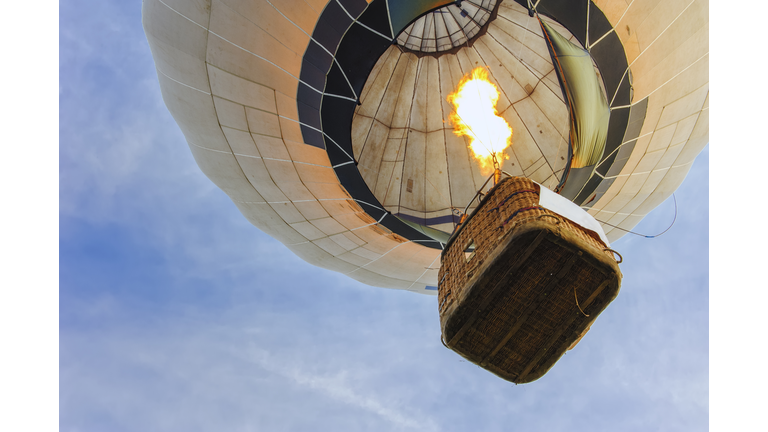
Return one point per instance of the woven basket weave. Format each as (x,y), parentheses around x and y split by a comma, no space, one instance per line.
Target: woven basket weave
(517,282)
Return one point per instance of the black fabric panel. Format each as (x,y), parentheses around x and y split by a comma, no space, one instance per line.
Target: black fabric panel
(312,76)
(588,190)
(612,62)
(622,156)
(399,227)
(354,7)
(317,57)
(331,25)
(617,126)
(376,17)
(371,210)
(575,181)
(430,221)
(635,125)
(337,84)
(598,24)
(638,111)
(335,154)
(336,17)
(606,164)
(308,115)
(337,122)
(403,12)
(312,137)
(358,53)
(599,192)
(353,182)
(623,96)
(308,97)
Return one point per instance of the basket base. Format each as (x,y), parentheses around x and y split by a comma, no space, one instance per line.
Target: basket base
(530,301)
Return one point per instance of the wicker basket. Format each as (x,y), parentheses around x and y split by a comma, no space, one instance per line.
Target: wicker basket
(520,285)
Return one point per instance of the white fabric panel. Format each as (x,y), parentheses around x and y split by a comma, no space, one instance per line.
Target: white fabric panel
(565,208)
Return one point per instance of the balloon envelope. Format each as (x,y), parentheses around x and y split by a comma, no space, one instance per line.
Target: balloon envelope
(325,121)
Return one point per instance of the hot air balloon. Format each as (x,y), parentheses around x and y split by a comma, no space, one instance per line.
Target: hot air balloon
(328,124)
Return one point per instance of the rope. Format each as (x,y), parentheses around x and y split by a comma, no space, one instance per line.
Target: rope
(643,235)
(479,192)
(515,214)
(621,258)
(507,199)
(531,8)
(442,303)
(577,302)
(443,341)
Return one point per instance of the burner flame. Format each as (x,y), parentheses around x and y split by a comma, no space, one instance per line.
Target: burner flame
(475,116)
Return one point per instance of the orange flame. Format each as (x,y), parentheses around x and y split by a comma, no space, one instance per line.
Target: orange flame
(475,116)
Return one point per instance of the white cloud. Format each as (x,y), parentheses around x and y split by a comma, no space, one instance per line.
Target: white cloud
(337,386)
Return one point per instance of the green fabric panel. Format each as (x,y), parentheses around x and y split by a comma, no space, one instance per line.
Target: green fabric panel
(402,12)
(587,105)
(435,234)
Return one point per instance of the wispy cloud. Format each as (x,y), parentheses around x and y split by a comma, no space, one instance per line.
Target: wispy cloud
(337,386)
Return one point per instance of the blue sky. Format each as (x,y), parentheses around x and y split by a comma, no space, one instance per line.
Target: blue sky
(175,314)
